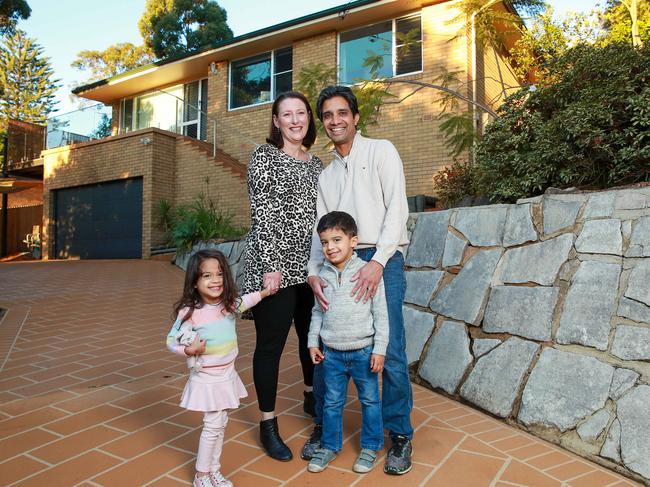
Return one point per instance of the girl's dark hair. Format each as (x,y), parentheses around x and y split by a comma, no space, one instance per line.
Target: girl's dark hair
(191,298)
(275,136)
(332,91)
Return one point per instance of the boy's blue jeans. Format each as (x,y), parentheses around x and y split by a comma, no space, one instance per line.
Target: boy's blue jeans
(396,396)
(337,369)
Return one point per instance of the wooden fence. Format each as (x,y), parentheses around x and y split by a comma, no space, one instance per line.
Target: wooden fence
(20,222)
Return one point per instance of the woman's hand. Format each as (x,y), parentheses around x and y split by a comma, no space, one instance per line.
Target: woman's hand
(271,281)
(317,284)
(197,347)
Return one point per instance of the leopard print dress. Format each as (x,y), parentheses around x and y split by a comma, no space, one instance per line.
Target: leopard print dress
(282,192)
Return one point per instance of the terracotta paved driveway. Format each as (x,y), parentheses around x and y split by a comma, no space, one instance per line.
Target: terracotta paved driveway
(88,396)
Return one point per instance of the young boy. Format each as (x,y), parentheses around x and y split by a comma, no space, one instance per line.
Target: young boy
(355,337)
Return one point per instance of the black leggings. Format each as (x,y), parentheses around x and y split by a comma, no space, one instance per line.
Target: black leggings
(273,318)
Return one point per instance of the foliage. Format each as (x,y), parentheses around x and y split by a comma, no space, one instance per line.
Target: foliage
(618,23)
(589,129)
(113,60)
(173,27)
(196,221)
(11,11)
(26,80)
(454,182)
(103,128)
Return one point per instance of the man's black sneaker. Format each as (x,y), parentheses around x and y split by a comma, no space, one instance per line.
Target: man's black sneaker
(398,460)
(312,444)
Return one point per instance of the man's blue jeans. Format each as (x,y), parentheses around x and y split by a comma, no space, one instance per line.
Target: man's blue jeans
(337,368)
(397,396)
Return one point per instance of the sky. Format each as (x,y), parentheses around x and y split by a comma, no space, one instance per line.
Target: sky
(65,27)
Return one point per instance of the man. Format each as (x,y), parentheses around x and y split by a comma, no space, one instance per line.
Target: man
(366,180)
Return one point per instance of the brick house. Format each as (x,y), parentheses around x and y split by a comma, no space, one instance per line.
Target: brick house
(181,120)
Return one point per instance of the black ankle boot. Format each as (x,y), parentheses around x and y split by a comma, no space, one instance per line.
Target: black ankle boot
(271,441)
(309,404)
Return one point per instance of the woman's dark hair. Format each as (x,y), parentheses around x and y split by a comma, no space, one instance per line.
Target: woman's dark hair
(275,136)
(191,298)
(338,219)
(332,91)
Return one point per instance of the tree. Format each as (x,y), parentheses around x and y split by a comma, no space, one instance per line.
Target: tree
(26,79)
(173,27)
(113,60)
(627,21)
(11,11)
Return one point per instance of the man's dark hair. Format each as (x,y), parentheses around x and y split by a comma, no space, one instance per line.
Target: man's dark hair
(338,219)
(332,91)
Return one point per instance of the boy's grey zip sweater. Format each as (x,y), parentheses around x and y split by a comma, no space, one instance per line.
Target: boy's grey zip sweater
(347,325)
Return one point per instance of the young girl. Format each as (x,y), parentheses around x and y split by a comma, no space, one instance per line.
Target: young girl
(205,328)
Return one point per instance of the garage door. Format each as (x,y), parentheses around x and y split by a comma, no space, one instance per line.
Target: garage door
(99,221)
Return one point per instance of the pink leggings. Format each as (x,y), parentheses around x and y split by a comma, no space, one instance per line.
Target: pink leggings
(211,442)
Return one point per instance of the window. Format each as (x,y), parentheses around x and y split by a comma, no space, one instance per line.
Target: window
(382,50)
(180,109)
(259,79)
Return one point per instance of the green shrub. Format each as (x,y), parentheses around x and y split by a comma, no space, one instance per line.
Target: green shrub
(196,221)
(588,128)
(454,183)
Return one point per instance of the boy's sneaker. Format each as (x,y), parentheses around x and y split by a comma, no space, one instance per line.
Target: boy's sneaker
(312,444)
(218,480)
(202,481)
(365,461)
(398,460)
(320,460)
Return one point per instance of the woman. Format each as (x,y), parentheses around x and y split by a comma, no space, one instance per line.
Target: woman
(282,187)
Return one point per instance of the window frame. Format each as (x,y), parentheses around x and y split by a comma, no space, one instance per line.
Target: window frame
(393,48)
(271,53)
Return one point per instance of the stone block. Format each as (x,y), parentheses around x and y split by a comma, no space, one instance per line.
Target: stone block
(428,240)
(496,378)
(559,214)
(622,381)
(633,411)
(447,357)
(593,426)
(600,205)
(601,237)
(519,226)
(590,305)
(483,227)
(630,200)
(420,286)
(454,250)
(631,342)
(481,346)
(538,262)
(418,326)
(612,447)
(640,240)
(563,388)
(464,297)
(522,311)
(638,286)
(633,310)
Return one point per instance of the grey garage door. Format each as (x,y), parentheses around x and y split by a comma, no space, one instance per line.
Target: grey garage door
(99,221)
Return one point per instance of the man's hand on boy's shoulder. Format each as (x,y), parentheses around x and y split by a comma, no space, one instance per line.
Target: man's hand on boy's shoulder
(367,280)
(376,363)
(316,355)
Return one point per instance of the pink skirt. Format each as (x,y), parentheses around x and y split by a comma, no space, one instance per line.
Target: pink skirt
(213,389)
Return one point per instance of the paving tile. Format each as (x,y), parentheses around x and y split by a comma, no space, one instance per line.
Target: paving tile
(472,445)
(570,470)
(280,470)
(91,398)
(144,468)
(597,478)
(85,419)
(463,469)
(144,417)
(522,474)
(24,442)
(248,478)
(18,468)
(29,420)
(146,398)
(435,444)
(133,444)
(22,406)
(549,460)
(513,442)
(530,451)
(75,444)
(330,476)
(168,482)
(72,472)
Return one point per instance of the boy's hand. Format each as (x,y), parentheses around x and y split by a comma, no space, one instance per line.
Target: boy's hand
(317,284)
(376,363)
(197,347)
(316,355)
